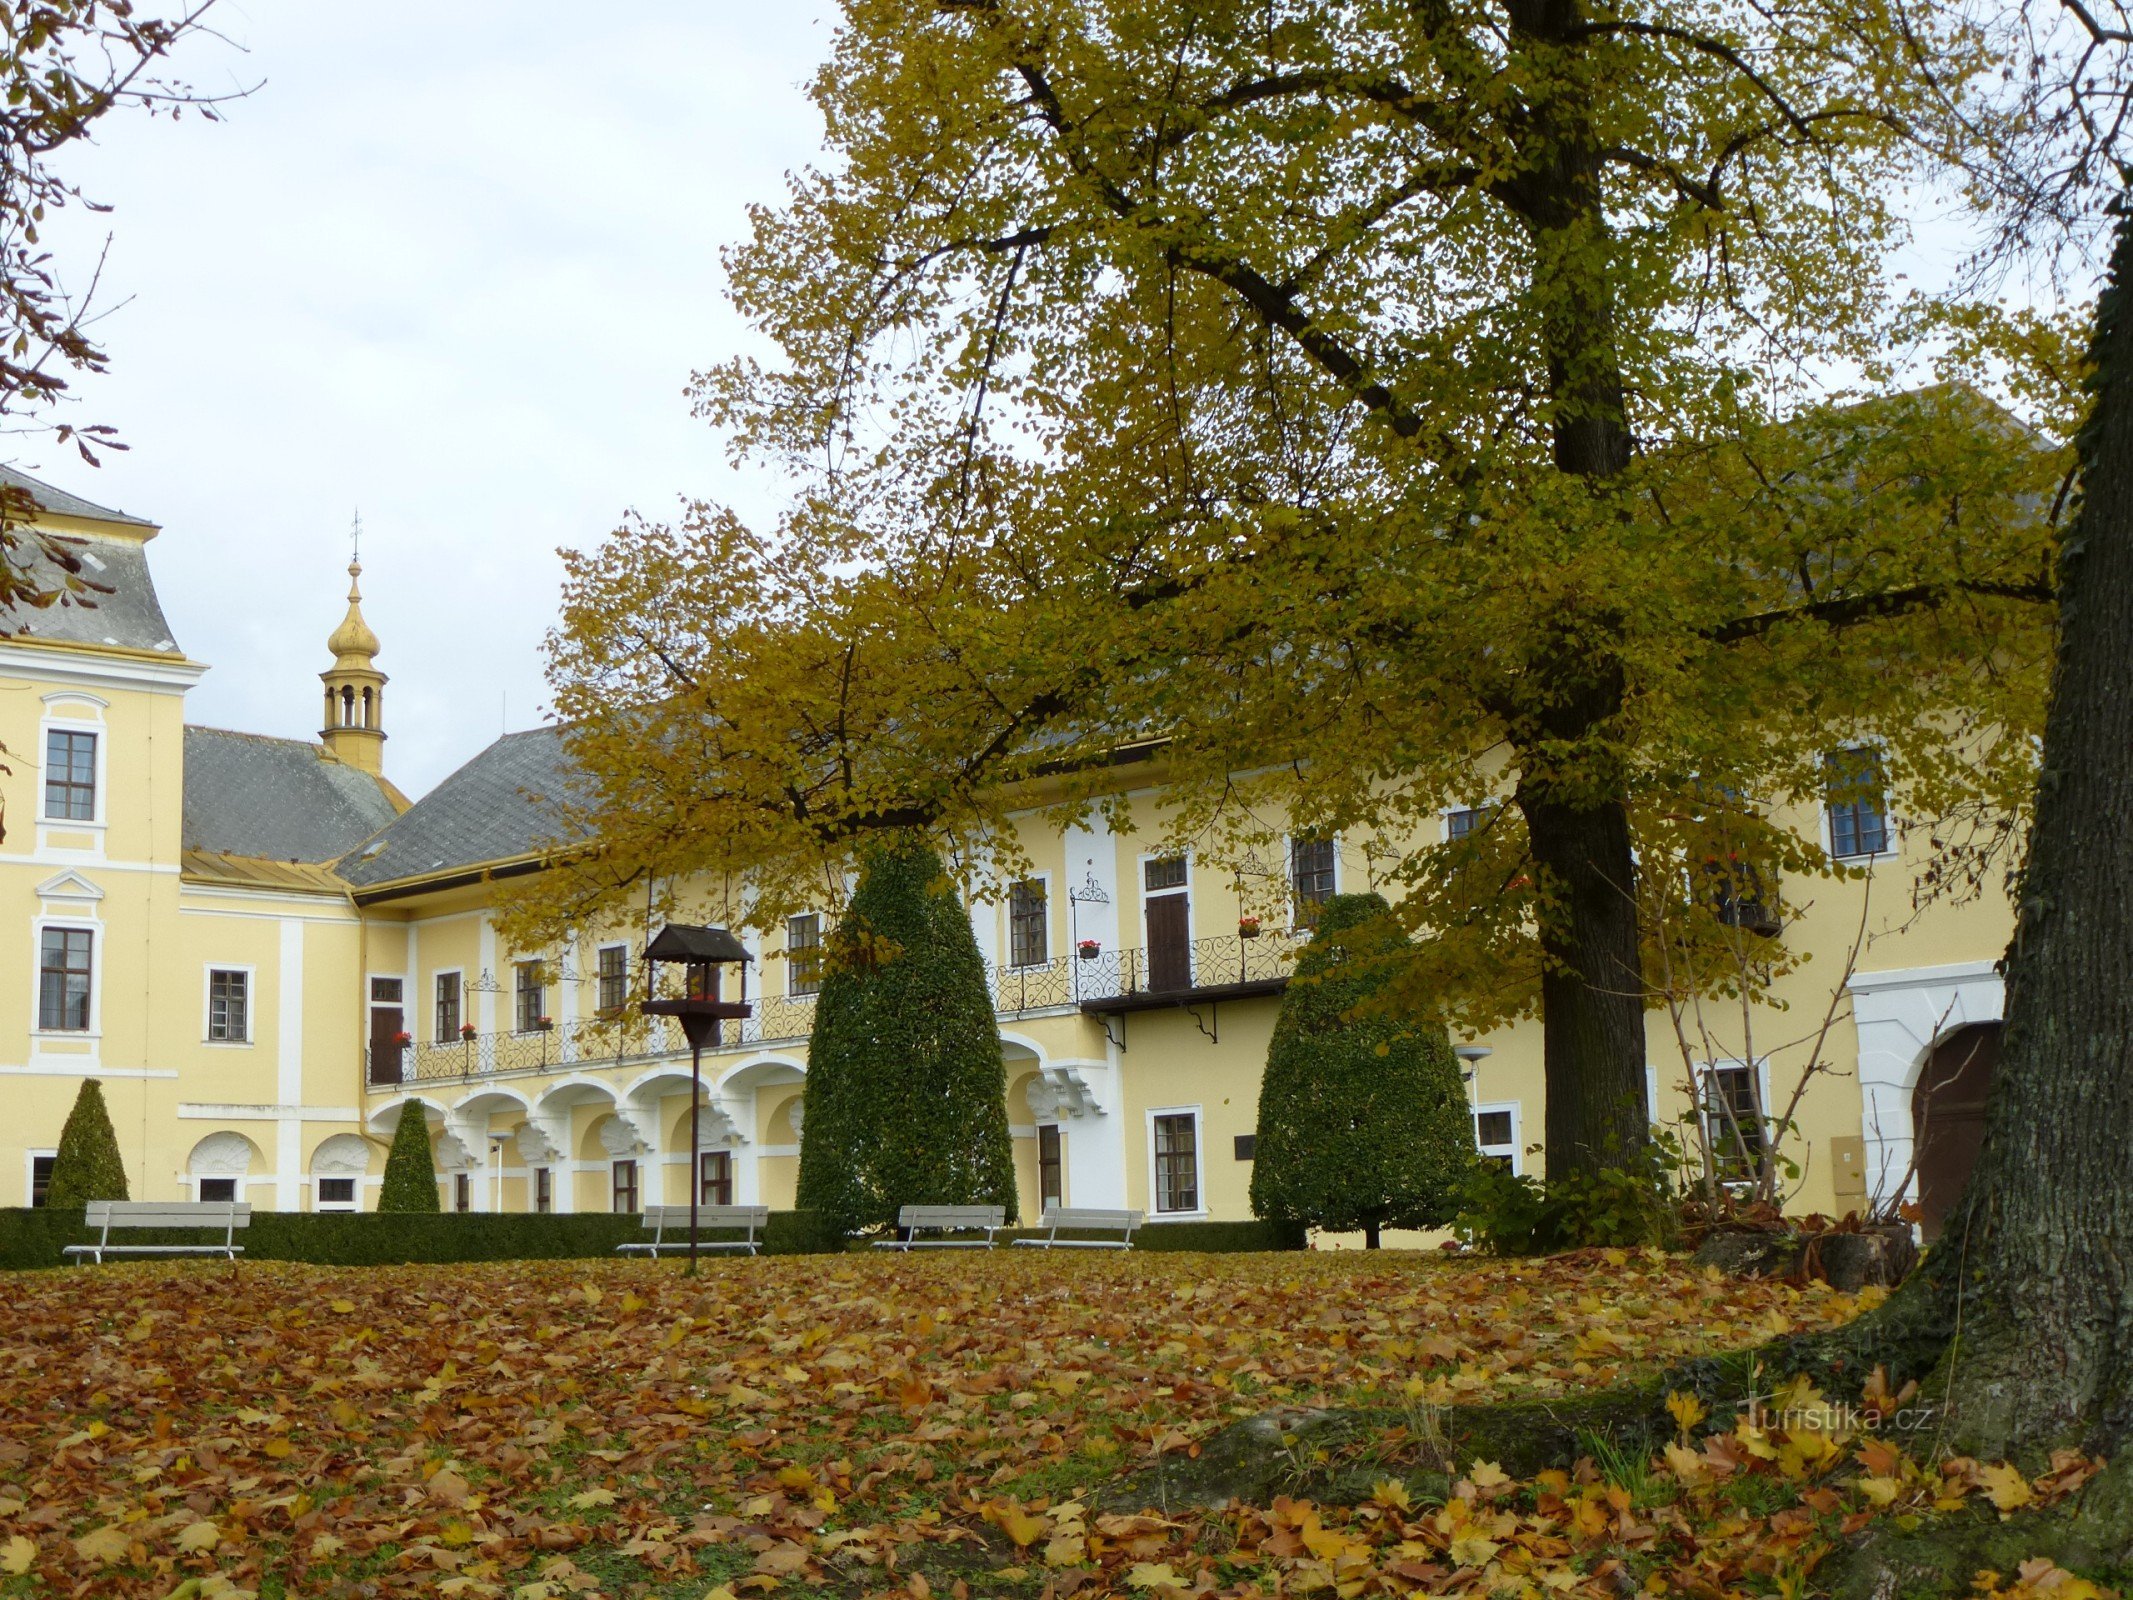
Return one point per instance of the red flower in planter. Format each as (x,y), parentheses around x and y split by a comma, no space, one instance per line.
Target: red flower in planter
(466,1030)
(403,1038)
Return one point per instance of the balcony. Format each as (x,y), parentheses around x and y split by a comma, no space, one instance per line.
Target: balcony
(1228,967)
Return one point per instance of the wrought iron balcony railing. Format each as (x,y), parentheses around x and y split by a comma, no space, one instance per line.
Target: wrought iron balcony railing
(1072,980)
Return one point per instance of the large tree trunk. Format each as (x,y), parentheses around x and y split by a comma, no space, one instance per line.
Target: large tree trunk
(2040,1250)
(1570,790)
(1592,993)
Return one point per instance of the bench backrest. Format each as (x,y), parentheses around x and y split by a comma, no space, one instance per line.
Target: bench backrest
(658,1217)
(1088,1217)
(168,1214)
(951,1216)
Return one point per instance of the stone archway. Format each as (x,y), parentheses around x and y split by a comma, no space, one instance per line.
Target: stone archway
(1948,1117)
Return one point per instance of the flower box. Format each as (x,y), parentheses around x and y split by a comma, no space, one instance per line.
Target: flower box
(467,1030)
(403,1039)
(1247,927)
(1088,949)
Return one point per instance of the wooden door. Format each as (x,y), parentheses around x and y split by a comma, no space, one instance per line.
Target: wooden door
(1169,942)
(386,1025)
(1948,1117)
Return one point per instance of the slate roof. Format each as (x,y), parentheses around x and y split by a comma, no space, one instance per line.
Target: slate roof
(62,504)
(276,799)
(130,616)
(506,802)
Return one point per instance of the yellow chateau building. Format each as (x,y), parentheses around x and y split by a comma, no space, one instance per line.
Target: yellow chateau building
(262,950)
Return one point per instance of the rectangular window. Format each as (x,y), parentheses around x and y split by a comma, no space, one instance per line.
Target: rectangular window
(69,776)
(462,1191)
(1051,1169)
(1167,873)
(1028,942)
(614,975)
(530,995)
(543,1191)
(41,1178)
(1177,1162)
(1247,1146)
(1854,791)
(229,1010)
(803,954)
(1311,877)
(1466,822)
(63,980)
(1736,1131)
(385,991)
(447,1007)
(1496,1136)
(625,1178)
(714,1176)
(214,1190)
(336,1194)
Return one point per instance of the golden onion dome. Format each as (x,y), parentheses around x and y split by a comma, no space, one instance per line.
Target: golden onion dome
(353,637)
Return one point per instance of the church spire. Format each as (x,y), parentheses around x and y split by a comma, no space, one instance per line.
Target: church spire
(355,688)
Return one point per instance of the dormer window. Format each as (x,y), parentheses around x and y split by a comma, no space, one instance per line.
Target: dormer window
(69,775)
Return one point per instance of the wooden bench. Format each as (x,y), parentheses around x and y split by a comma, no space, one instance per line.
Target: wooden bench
(226,1215)
(914,1220)
(664,1219)
(1083,1219)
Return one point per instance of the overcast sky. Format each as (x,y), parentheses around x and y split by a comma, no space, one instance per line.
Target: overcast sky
(452,264)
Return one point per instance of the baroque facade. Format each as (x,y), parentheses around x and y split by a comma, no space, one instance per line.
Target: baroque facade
(263,949)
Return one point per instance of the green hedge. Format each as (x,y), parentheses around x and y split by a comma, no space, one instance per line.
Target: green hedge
(1221,1236)
(378,1238)
(30,1239)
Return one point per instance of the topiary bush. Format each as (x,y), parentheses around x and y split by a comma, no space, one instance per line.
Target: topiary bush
(87,1166)
(906,1089)
(1363,1119)
(410,1182)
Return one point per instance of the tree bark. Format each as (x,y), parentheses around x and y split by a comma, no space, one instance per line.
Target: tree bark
(2039,1253)
(1570,788)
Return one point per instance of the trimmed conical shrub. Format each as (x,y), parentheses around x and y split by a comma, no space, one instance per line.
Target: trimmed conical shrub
(410,1182)
(906,1089)
(87,1166)
(1363,1120)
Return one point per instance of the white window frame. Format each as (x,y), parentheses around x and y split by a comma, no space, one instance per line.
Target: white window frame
(1007,912)
(600,1009)
(95,930)
(1192,913)
(1288,854)
(207,1004)
(445,972)
(1517,1147)
(786,946)
(545,968)
(1446,813)
(30,1159)
(200,1180)
(56,720)
(1706,1076)
(320,1203)
(1892,829)
(1199,1161)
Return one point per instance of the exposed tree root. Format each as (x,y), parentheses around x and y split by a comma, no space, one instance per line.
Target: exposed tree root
(2092,1534)
(1303,1451)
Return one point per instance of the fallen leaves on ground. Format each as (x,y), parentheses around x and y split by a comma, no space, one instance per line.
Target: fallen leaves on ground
(542,1431)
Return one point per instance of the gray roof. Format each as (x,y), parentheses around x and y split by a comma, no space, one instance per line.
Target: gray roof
(276,799)
(130,615)
(61,504)
(508,801)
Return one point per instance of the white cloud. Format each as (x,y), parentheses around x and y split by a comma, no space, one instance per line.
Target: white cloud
(452,264)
